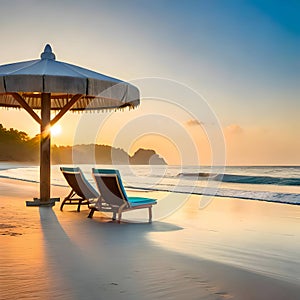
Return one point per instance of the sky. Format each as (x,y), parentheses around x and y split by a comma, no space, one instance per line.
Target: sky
(238,60)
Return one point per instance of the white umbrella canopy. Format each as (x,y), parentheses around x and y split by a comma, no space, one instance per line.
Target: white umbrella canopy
(62,80)
(48,84)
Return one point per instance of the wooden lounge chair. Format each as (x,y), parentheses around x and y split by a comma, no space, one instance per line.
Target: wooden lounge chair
(81,190)
(113,197)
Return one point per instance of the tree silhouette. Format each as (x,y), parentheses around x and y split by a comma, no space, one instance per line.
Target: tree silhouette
(18,146)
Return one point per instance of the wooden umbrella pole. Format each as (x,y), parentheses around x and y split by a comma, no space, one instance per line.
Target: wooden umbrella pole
(45,163)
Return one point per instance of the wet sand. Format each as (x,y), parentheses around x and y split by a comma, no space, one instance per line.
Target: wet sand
(232,249)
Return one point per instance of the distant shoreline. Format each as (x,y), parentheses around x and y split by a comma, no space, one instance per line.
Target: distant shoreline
(165,179)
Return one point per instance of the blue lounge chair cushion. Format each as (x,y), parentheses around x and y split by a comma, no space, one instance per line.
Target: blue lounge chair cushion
(113,194)
(136,201)
(70,169)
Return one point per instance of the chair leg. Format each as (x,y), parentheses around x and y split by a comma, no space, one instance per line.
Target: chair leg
(91,213)
(119,217)
(72,193)
(150,214)
(120,212)
(78,207)
(62,204)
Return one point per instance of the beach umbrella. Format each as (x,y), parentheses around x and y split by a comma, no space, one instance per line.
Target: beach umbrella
(46,84)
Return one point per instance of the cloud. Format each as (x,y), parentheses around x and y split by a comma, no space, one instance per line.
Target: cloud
(234,129)
(193,122)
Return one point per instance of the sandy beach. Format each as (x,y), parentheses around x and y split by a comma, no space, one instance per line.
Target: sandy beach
(192,104)
(232,249)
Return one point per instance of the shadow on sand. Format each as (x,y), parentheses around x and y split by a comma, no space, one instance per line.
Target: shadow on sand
(93,258)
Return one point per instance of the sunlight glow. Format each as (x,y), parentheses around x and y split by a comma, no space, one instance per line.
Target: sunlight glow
(56,130)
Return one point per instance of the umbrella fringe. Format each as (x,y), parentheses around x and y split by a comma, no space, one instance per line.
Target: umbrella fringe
(58,102)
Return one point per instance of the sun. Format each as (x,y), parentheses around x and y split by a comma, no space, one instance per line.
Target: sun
(55,130)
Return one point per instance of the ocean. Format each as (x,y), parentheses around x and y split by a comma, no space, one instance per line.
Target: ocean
(262,183)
